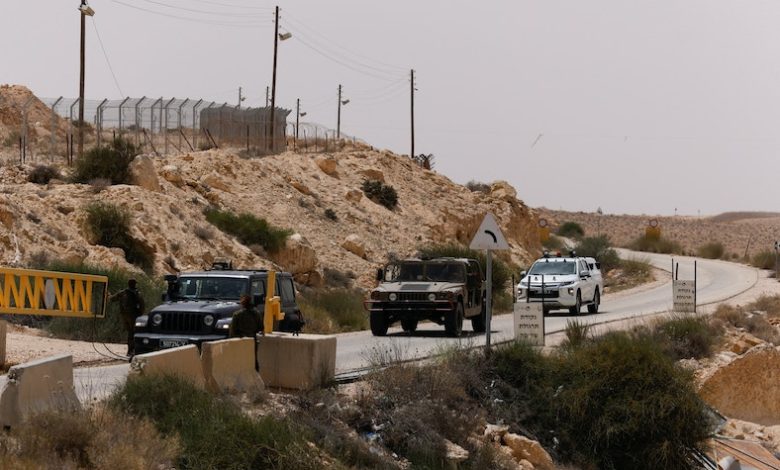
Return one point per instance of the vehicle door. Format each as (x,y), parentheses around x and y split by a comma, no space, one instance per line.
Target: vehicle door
(474,284)
(588,284)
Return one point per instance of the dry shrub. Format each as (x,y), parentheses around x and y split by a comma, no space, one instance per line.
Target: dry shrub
(204,233)
(42,174)
(755,324)
(93,439)
(98,185)
(712,250)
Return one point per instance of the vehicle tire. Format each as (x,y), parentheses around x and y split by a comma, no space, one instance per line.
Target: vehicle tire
(575,310)
(453,322)
(594,306)
(379,324)
(479,323)
(409,325)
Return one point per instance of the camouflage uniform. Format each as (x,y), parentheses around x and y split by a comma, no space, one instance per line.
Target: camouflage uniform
(131,305)
(246,323)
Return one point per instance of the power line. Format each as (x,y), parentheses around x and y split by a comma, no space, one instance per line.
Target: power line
(105,54)
(193,10)
(388,66)
(250,25)
(232,5)
(341,62)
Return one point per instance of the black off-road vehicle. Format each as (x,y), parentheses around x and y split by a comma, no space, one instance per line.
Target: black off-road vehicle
(199,306)
(442,290)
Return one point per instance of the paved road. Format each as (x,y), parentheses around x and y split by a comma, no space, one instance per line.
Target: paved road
(717,281)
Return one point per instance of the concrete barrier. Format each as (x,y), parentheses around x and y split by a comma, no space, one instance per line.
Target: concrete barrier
(183,362)
(296,362)
(3,333)
(229,366)
(37,386)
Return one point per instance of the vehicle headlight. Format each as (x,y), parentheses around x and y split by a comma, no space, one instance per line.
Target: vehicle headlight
(156,319)
(570,290)
(393,296)
(141,321)
(224,324)
(208,320)
(432,296)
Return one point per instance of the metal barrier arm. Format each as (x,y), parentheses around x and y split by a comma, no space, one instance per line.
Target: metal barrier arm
(34,292)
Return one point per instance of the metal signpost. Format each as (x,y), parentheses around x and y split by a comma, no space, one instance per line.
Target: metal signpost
(777,248)
(683,291)
(490,238)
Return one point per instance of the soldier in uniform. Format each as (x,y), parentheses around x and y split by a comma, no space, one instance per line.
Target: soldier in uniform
(246,323)
(131,305)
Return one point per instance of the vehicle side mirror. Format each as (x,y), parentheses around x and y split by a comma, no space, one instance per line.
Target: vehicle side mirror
(258,299)
(380,274)
(523,273)
(585,274)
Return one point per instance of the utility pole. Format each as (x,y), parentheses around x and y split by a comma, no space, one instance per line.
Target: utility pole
(267,96)
(240,96)
(412,94)
(338,120)
(273,80)
(297,116)
(82,13)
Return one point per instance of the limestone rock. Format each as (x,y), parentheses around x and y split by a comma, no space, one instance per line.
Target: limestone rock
(353,195)
(172,174)
(503,190)
(297,256)
(143,174)
(455,453)
(329,166)
(747,388)
(354,244)
(373,174)
(302,188)
(530,450)
(495,432)
(215,181)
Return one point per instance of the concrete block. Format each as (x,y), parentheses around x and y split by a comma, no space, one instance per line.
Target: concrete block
(229,366)
(296,362)
(3,333)
(183,362)
(37,386)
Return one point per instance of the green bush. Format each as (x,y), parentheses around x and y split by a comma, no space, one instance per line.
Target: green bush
(624,404)
(109,226)
(599,248)
(214,432)
(686,336)
(764,259)
(553,243)
(110,162)
(249,230)
(712,250)
(571,230)
(42,174)
(655,245)
(502,273)
(577,333)
(478,187)
(108,329)
(342,308)
(381,193)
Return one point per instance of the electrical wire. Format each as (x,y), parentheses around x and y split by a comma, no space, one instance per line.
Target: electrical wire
(378,91)
(248,25)
(232,5)
(388,67)
(105,54)
(205,12)
(347,65)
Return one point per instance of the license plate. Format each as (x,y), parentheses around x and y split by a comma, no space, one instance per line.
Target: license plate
(172,343)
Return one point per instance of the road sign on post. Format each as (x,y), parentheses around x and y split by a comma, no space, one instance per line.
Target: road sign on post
(529,323)
(490,238)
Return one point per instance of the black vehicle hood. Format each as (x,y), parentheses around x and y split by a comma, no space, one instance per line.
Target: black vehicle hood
(219,307)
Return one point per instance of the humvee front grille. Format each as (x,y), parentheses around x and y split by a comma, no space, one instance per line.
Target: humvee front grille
(181,322)
(413,296)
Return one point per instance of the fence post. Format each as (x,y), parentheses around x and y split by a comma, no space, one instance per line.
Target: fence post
(194,128)
(165,131)
(99,125)
(120,115)
(53,127)
(138,122)
(179,126)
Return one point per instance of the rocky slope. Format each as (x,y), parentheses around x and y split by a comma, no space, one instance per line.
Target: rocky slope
(290,190)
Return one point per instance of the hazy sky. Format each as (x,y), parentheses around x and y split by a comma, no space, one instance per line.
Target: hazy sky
(632,106)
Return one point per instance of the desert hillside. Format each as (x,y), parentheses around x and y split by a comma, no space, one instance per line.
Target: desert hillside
(740,233)
(290,190)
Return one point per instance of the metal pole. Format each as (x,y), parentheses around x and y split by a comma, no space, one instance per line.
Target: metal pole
(81,81)
(297,116)
(194,128)
(181,106)
(273,80)
(120,115)
(53,126)
(489,301)
(338,121)
(165,131)
(240,98)
(99,125)
(412,94)
(138,121)
(695,289)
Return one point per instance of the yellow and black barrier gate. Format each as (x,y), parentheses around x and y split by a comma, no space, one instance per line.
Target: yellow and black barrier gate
(34,292)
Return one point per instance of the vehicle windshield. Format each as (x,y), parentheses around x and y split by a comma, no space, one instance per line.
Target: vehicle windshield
(212,288)
(553,267)
(422,271)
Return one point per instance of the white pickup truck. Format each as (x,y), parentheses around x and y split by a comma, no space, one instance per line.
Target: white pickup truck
(563,282)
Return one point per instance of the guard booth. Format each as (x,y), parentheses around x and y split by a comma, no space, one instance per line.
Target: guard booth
(50,293)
